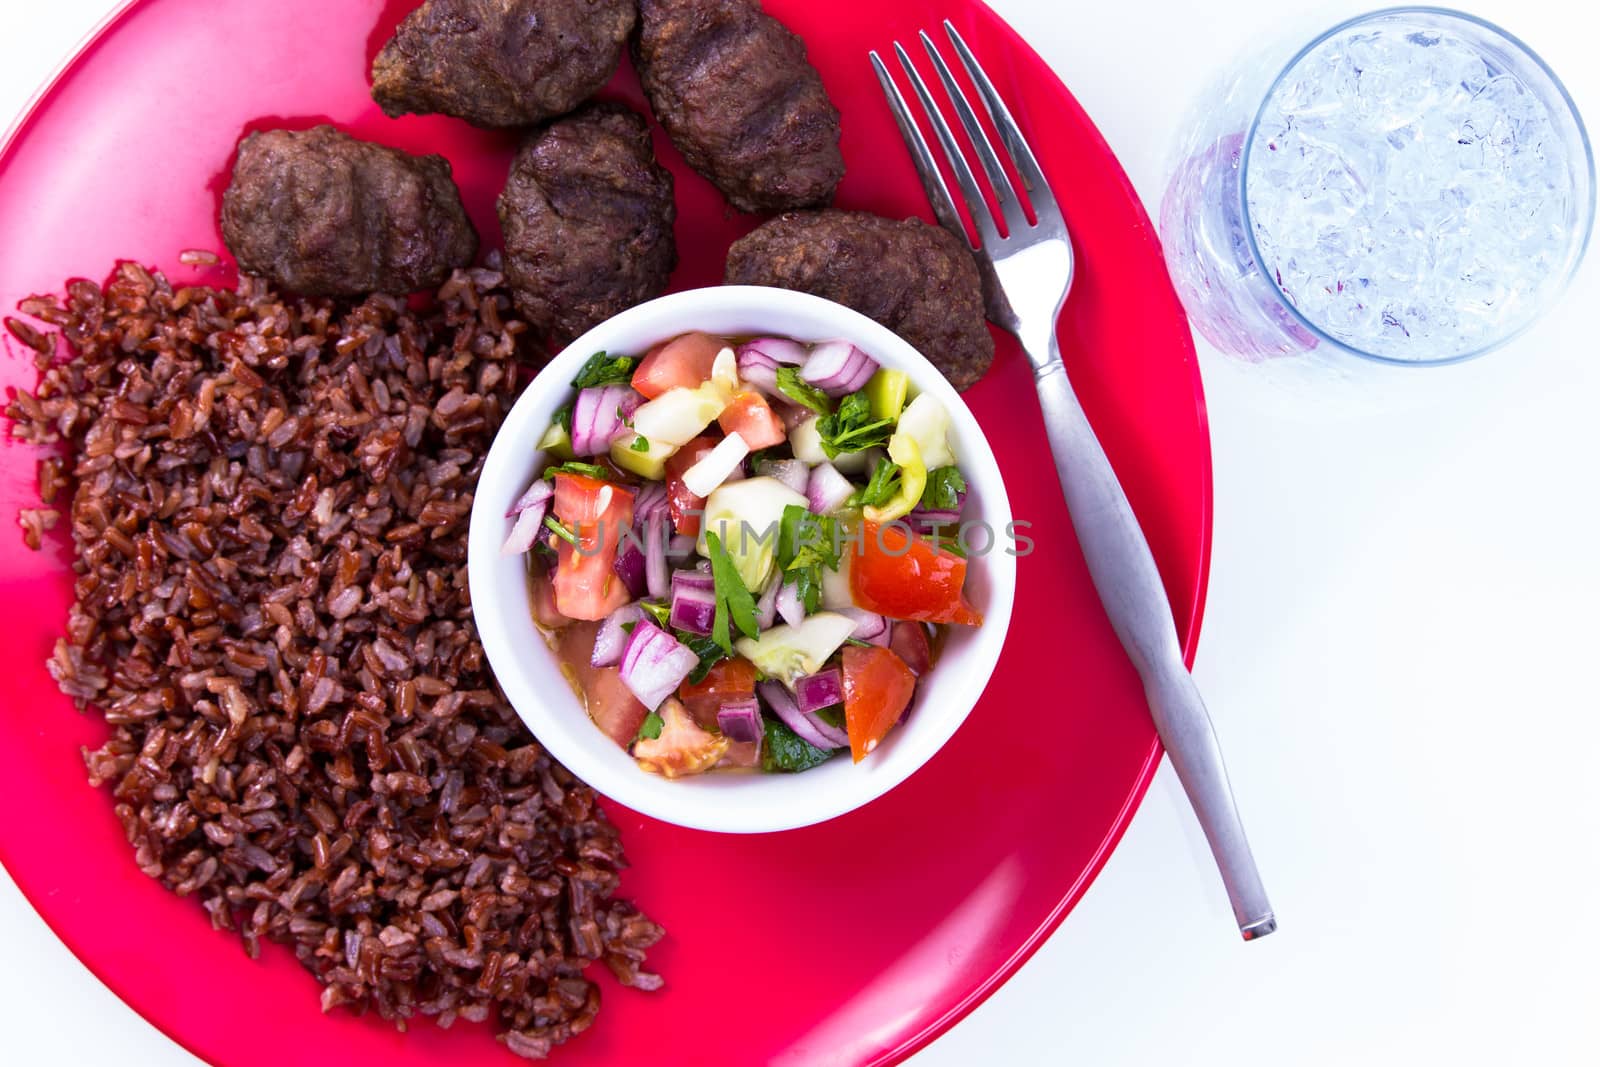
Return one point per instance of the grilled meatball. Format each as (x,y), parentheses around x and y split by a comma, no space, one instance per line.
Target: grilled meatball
(734,91)
(323,214)
(918,280)
(587,215)
(501,62)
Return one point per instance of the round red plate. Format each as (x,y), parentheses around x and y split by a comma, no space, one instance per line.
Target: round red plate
(848,943)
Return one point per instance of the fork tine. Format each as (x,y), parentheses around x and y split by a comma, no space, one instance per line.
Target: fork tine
(988,232)
(1028,168)
(1005,196)
(944,208)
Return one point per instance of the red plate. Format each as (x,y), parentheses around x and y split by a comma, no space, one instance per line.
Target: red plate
(848,943)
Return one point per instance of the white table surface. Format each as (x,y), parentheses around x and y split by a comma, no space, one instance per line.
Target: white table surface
(1402,603)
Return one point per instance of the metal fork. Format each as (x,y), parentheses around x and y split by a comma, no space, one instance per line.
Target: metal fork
(1027,272)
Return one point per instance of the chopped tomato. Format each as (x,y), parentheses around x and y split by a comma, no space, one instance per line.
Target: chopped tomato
(596,512)
(681,502)
(906,577)
(909,641)
(751,418)
(542,600)
(683,747)
(682,363)
(877,690)
(608,700)
(732,679)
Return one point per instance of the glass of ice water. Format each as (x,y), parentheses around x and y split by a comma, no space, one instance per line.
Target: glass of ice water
(1414,186)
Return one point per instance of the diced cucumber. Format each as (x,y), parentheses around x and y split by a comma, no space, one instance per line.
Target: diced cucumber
(746,516)
(558,442)
(806,443)
(678,415)
(836,583)
(791,652)
(927,423)
(651,463)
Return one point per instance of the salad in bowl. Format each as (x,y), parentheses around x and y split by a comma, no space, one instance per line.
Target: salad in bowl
(745,551)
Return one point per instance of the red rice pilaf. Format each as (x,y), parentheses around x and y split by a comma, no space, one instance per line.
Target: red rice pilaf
(269,502)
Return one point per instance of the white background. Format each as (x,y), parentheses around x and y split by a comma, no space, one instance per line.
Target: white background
(1398,653)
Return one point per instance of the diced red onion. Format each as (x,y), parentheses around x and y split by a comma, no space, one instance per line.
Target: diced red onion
(611,638)
(874,629)
(811,729)
(827,489)
(758,370)
(791,472)
(654,663)
(792,415)
(821,690)
(680,548)
(777,349)
(650,501)
(926,519)
(655,556)
(740,720)
(789,605)
(539,492)
(838,368)
(597,417)
(630,565)
(694,579)
(694,606)
(767,606)
(716,466)
(525,531)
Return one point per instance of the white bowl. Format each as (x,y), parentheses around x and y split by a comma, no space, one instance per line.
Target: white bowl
(527,670)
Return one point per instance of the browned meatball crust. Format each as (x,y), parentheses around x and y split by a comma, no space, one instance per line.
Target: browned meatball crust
(587,216)
(501,62)
(320,213)
(918,280)
(733,89)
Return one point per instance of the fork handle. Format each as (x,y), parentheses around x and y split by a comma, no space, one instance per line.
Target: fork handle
(1129,585)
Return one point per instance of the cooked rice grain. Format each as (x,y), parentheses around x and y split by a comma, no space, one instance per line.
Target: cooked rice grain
(269,501)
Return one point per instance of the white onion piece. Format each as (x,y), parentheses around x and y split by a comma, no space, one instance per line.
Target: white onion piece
(716,466)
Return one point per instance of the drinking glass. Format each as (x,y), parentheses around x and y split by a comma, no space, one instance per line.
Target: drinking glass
(1413,187)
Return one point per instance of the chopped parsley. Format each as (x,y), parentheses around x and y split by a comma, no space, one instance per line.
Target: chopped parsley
(734,601)
(806,544)
(944,489)
(787,751)
(708,650)
(657,611)
(588,470)
(650,729)
(555,527)
(641,443)
(563,417)
(881,488)
(852,428)
(796,388)
(605,370)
